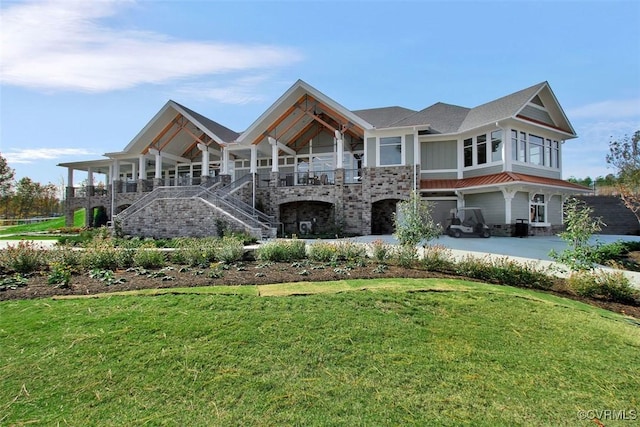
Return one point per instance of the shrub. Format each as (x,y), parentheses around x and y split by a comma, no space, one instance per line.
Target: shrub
(25,257)
(609,286)
(323,252)
(504,271)
(437,258)
(65,256)
(148,256)
(282,251)
(230,250)
(351,251)
(100,254)
(195,252)
(59,275)
(380,251)
(404,256)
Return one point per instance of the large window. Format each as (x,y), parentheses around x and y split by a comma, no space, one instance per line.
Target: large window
(534,149)
(390,151)
(538,209)
(468,152)
(496,145)
(481,141)
(536,155)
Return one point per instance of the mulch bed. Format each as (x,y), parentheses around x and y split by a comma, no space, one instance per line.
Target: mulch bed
(246,273)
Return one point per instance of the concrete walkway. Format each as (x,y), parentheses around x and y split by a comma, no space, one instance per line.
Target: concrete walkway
(524,250)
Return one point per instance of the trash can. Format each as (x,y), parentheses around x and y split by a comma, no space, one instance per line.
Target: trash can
(522,228)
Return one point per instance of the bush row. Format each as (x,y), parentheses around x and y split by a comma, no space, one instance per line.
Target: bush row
(104,253)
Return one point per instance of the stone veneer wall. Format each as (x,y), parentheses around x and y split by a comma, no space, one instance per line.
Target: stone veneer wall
(167,218)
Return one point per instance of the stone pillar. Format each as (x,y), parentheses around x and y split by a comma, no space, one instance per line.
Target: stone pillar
(339,177)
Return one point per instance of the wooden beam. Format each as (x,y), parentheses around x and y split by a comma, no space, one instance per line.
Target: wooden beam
(161,134)
(278,121)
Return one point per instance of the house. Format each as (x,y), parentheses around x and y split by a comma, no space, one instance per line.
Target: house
(309,164)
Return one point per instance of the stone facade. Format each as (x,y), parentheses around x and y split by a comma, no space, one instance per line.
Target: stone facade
(192,217)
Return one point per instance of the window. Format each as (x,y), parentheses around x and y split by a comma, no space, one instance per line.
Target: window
(538,208)
(536,145)
(555,155)
(468,152)
(481,142)
(514,145)
(547,152)
(391,151)
(496,145)
(522,153)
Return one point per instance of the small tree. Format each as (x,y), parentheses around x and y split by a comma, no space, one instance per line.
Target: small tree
(414,221)
(624,155)
(580,226)
(6,184)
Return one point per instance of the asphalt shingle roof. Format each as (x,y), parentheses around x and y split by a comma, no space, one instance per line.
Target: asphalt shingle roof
(385,116)
(223,132)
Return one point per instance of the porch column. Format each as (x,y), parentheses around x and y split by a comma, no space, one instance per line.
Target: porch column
(90,187)
(274,154)
(115,178)
(224,167)
(254,159)
(205,159)
(340,150)
(158,174)
(508,197)
(142,166)
(134,171)
(70,191)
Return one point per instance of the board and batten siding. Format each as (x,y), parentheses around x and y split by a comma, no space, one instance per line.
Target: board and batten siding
(408,146)
(371,152)
(436,155)
(439,175)
(489,170)
(544,172)
(537,114)
(492,205)
(554,210)
(520,208)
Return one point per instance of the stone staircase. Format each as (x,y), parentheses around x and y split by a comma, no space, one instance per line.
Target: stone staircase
(219,198)
(619,219)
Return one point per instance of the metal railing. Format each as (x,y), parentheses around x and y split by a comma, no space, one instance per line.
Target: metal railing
(289,179)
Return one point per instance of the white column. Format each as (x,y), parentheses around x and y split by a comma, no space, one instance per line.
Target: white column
(224,167)
(116,170)
(340,150)
(90,177)
(254,159)
(158,174)
(205,163)
(142,164)
(69,177)
(274,154)
(508,197)
(134,170)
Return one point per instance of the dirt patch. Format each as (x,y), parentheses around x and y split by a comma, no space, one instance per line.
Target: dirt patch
(245,273)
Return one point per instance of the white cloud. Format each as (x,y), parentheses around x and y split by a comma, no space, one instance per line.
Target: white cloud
(238,92)
(30,155)
(61,44)
(611,109)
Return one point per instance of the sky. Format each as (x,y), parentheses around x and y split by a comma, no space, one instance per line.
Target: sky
(81,78)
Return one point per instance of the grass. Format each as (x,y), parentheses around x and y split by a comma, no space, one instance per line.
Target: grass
(21,231)
(428,352)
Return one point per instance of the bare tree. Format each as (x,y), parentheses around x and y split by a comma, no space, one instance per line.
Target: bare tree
(624,155)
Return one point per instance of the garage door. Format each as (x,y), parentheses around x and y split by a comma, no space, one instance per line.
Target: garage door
(442,211)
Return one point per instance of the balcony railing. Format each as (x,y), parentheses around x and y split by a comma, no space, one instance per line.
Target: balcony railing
(289,179)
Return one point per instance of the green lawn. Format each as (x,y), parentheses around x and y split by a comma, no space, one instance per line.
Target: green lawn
(378,352)
(19,231)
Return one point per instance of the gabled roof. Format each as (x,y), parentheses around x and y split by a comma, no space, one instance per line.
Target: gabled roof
(385,116)
(442,118)
(445,118)
(500,109)
(283,106)
(498,179)
(223,132)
